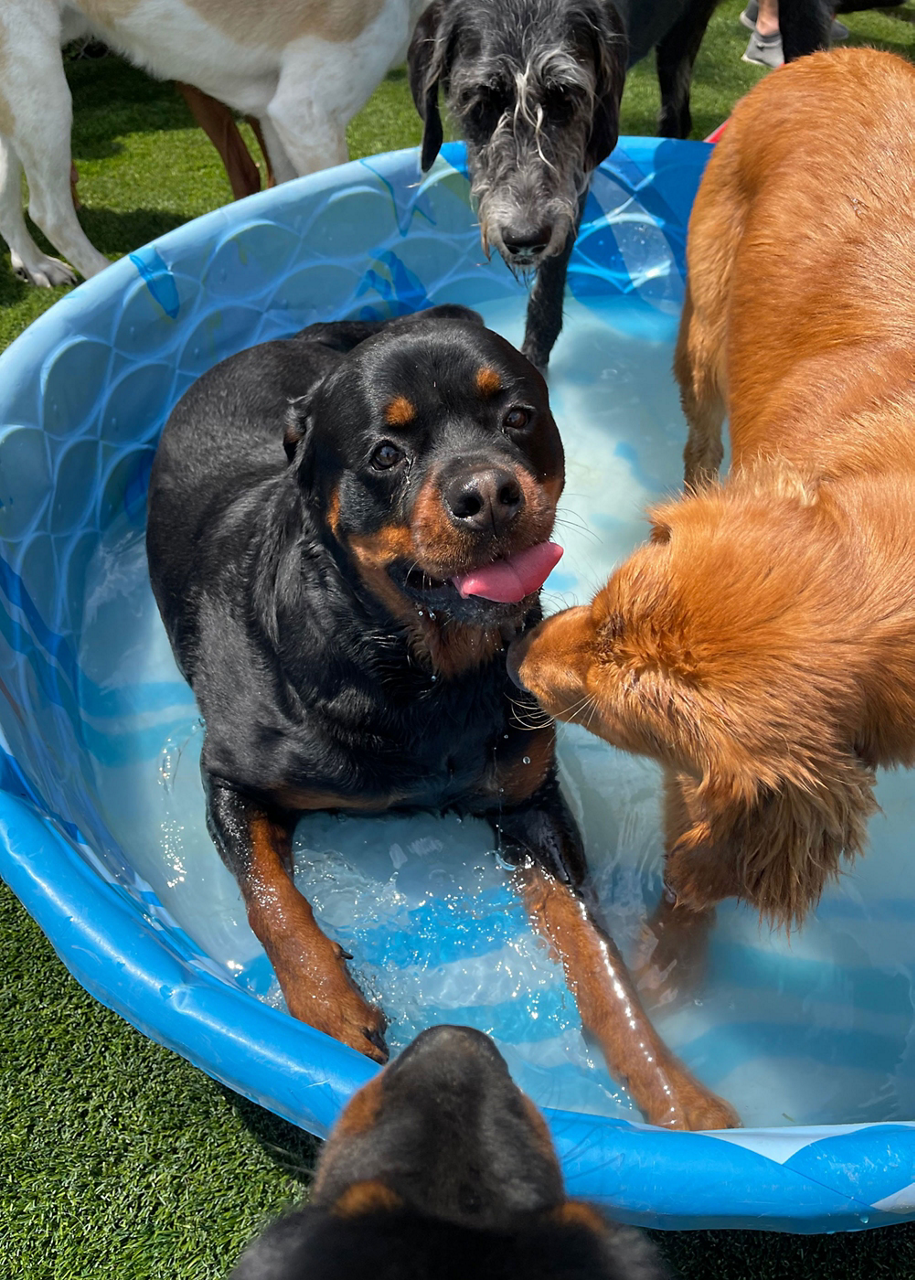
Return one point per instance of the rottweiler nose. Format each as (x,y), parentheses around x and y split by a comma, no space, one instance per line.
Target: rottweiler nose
(483,500)
(526,242)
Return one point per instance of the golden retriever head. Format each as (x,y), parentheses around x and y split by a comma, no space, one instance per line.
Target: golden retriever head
(720,649)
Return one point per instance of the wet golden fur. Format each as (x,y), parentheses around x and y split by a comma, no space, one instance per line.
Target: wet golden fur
(761,645)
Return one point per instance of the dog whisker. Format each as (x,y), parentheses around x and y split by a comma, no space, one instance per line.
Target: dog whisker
(571,520)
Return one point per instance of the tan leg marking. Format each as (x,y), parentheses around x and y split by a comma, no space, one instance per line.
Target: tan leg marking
(311,969)
(667,1093)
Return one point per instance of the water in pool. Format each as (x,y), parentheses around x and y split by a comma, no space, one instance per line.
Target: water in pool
(817,1029)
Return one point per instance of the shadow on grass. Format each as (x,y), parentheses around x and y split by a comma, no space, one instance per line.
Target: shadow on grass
(768,1255)
(121,232)
(291,1149)
(112,233)
(112,98)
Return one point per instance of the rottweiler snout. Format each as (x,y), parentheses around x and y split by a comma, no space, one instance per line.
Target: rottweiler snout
(484,500)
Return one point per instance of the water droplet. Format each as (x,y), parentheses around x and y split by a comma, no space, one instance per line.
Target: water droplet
(505,736)
(525,760)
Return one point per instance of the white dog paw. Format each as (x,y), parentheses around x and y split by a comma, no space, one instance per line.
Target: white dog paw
(44,272)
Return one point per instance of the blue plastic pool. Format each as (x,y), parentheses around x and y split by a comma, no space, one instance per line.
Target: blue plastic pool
(101,814)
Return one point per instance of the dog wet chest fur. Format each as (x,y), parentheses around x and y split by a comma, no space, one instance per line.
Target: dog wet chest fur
(410,740)
(352,717)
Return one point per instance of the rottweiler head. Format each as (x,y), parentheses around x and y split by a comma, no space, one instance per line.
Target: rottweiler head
(429,458)
(441,1167)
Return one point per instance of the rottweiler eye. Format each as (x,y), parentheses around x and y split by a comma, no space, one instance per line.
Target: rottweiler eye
(517,418)
(387,455)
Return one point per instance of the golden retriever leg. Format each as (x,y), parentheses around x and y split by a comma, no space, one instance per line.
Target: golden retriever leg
(695,360)
(671,958)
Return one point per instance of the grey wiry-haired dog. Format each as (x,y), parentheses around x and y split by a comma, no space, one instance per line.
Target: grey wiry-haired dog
(535,88)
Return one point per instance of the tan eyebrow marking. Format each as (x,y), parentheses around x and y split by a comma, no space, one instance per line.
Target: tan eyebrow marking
(400,412)
(488,381)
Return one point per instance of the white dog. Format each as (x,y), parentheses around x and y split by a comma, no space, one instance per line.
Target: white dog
(303,68)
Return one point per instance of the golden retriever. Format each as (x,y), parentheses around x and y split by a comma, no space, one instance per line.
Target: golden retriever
(761,644)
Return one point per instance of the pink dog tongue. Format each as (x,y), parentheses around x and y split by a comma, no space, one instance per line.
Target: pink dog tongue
(511,580)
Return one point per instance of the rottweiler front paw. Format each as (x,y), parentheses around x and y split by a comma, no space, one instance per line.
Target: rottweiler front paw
(693,1107)
(339,1009)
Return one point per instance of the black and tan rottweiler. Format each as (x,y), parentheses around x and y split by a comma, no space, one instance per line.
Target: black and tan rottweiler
(442,1169)
(346,530)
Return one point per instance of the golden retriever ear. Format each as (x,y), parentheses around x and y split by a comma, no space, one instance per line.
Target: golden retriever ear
(775,840)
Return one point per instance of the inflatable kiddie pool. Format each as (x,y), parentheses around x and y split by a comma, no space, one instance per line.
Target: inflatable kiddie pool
(101,814)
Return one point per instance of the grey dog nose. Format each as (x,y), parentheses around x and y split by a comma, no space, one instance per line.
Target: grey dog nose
(526,242)
(484,500)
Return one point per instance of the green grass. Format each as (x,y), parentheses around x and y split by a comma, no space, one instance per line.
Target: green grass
(118,1160)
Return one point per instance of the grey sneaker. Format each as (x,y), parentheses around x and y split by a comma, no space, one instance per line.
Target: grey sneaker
(765,51)
(838,30)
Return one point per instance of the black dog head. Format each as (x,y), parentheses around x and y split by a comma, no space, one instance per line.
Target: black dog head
(535,88)
(441,1167)
(428,454)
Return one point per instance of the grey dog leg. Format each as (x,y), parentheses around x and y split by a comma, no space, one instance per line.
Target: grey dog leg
(544,309)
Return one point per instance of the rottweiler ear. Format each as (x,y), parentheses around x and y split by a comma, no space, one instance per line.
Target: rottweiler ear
(297,420)
(426,62)
(297,440)
(609,50)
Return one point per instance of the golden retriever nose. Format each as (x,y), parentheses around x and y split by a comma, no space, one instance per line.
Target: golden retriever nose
(483,501)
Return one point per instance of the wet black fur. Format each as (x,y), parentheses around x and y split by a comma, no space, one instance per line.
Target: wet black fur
(304,679)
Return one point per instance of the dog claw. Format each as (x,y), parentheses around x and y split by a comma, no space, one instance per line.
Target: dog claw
(379,1051)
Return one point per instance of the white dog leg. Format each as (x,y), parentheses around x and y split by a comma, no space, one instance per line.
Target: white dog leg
(29,263)
(320,88)
(283,168)
(47,169)
(310,139)
(37,92)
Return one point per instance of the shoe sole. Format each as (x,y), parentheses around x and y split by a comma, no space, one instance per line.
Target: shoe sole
(758,62)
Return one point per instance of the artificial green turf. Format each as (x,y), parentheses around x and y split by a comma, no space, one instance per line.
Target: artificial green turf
(117,1158)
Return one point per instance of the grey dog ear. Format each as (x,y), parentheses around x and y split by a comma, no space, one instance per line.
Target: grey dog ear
(427,64)
(608,47)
